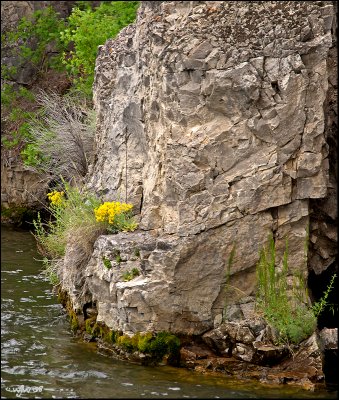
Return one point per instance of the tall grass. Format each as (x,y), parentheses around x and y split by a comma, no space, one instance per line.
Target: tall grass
(283,298)
(72,221)
(230,290)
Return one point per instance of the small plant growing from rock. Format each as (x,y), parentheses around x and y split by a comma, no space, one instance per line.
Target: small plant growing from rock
(231,290)
(116,216)
(78,218)
(112,336)
(89,323)
(228,275)
(319,306)
(129,275)
(118,258)
(72,219)
(107,263)
(137,252)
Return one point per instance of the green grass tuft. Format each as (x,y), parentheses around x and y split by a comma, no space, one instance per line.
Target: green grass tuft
(286,307)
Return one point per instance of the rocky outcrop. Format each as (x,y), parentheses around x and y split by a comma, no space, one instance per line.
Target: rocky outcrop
(211,121)
(253,359)
(215,131)
(20,186)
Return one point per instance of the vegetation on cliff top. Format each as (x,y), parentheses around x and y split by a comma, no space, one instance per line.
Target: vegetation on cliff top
(47,42)
(86,30)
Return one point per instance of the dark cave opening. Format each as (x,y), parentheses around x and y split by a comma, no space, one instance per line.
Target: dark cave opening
(318,285)
(330,369)
(328,318)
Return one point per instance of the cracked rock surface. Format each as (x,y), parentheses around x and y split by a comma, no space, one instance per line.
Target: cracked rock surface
(210,120)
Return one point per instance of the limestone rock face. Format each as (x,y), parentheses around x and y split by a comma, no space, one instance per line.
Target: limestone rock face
(20,185)
(210,120)
(329,338)
(180,286)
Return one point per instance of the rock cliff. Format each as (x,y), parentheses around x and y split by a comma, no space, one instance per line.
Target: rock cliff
(217,120)
(211,121)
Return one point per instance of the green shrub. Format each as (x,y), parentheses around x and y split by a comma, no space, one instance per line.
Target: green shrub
(86,30)
(9,143)
(15,117)
(7,73)
(32,156)
(35,34)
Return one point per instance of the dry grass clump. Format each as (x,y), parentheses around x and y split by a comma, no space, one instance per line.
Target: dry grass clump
(63,136)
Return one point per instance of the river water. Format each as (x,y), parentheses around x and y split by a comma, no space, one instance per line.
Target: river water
(40,358)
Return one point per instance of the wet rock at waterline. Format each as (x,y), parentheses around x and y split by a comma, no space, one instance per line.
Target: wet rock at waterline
(277,367)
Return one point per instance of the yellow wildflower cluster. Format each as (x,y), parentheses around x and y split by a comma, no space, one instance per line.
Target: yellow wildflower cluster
(108,211)
(56,198)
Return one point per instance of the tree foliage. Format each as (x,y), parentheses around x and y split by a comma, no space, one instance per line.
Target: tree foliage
(35,36)
(86,30)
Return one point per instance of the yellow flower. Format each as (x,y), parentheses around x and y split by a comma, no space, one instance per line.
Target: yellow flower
(56,198)
(107,211)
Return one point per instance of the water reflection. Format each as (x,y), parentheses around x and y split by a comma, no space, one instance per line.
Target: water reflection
(41,359)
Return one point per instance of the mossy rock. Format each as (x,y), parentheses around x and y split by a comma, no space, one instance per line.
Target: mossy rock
(158,346)
(89,324)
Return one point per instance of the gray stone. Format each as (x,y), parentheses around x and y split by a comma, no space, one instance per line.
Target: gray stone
(216,143)
(329,338)
(243,352)
(218,340)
